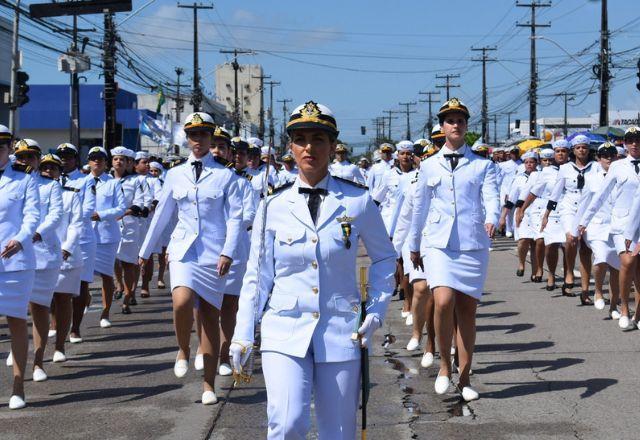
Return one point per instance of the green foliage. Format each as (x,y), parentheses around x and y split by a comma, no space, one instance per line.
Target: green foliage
(471,137)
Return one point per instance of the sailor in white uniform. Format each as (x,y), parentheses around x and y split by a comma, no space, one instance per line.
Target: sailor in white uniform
(341,167)
(19,218)
(204,192)
(155,182)
(110,206)
(508,171)
(363,166)
(455,213)
(290,171)
(305,278)
(378,169)
(46,246)
(623,179)
(141,168)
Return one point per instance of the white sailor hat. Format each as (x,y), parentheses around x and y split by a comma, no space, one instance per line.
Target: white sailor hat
(404,146)
(199,121)
(313,115)
(530,155)
(141,155)
(156,165)
(479,147)
(27,146)
(436,132)
(255,142)
(86,167)
(97,151)
(376,156)
(394,155)
(561,143)
(580,140)
(386,148)
(264,151)
(5,133)
(546,153)
(621,151)
(363,159)
(341,148)
(122,151)
(66,146)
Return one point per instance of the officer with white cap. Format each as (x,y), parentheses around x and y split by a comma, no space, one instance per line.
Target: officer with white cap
(437,136)
(364,166)
(341,167)
(290,170)
(508,171)
(378,169)
(302,274)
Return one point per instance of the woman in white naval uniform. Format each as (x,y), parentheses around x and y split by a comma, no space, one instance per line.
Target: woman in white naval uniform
(378,169)
(130,223)
(341,167)
(455,212)
(539,192)
(524,233)
(623,179)
(68,230)
(110,206)
(306,282)
(154,181)
(205,194)
(289,172)
(597,236)
(565,196)
(47,249)
(19,217)
(74,178)
(141,169)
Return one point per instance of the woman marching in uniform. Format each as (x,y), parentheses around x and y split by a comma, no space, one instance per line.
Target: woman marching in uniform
(46,246)
(205,194)
(110,205)
(19,218)
(455,212)
(302,271)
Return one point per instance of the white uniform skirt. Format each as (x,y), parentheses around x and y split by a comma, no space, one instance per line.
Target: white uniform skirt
(233,280)
(618,243)
(105,258)
(43,286)
(15,288)
(604,252)
(88,251)
(526,229)
(535,218)
(465,271)
(69,281)
(554,232)
(567,220)
(203,280)
(407,265)
(128,251)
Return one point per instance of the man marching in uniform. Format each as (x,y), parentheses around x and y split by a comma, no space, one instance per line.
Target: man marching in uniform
(305,261)
(378,169)
(341,167)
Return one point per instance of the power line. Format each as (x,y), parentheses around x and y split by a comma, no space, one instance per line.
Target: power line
(447,85)
(408,113)
(485,109)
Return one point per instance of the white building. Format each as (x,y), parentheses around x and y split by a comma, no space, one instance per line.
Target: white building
(555,125)
(248,92)
(6,31)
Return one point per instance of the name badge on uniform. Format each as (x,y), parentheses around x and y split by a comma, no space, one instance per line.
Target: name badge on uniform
(345,224)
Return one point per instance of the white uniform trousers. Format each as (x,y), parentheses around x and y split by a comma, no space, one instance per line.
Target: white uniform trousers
(290,382)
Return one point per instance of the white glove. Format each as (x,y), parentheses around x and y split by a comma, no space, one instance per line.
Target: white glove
(239,352)
(371,324)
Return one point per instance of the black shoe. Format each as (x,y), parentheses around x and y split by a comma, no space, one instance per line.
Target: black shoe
(126,310)
(520,272)
(550,288)
(133,302)
(566,290)
(117,294)
(585,300)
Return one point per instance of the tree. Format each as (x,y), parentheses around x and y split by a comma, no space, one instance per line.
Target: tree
(471,137)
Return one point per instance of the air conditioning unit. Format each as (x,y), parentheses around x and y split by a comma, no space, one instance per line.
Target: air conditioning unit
(74,62)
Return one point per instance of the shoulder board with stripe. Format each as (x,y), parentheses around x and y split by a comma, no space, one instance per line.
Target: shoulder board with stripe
(351,182)
(273,191)
(22,168)
(244,174)
(222,161)
(69,188)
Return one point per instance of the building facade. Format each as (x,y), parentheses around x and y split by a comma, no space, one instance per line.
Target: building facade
(249,96)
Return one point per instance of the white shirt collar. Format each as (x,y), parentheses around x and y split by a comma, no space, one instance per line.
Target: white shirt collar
(446,150)
(322,184)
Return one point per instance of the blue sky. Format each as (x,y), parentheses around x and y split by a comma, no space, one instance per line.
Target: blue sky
(363,57)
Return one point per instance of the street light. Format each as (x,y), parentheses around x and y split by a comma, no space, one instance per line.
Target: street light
(542,37)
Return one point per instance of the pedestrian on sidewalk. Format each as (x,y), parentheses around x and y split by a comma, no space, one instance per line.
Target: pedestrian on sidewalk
(456,210)
(302,272)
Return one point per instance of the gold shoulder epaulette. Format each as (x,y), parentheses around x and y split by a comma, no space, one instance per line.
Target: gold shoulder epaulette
(352,183)
(222,161)
(273,191)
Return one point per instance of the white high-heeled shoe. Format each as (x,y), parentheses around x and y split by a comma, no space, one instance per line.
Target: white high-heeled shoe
(414,344)
(75,340)
(409,320)
(198,363)
(180,368)
(10,360)
(209,398)
(624,322)
(615,315)
(427,360)
(469,394)
(599,304)
(52,333)
(59,356)
(442,384)
(404,314)
(17,402)
(39,375)
(105,323)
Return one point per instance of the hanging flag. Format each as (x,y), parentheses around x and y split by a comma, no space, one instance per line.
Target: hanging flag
(161,99)
(154,129)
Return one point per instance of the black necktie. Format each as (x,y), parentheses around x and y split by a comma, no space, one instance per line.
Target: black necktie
(581,179)
(314,200)
(636,165)
(63,178)
(453,159)
(198,167)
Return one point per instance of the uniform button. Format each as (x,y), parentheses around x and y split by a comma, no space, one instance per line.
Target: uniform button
(195,218)
(289,240)
(453,203)
(356,308)
(194,203)
(314,290)
(316,315)
(314,240)
(314,264)
(450,189)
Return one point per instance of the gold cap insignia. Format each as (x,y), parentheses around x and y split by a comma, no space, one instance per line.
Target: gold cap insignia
(453,102)
(22,145)
(196,119)
(310,110)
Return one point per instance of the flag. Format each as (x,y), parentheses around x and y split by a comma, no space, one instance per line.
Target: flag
(161,99)
(155,129)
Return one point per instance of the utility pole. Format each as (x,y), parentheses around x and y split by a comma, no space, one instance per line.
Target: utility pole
(602,70)
(495,130)
(179,72)
(509,123)
(378,123)
(236,102)
(261,126)
(110,86)
(533,86)
(567,97)
(430,99)
(389,117)
(447,85)
(485,106)
(285,113)
(196,97)
(408,112)
(272,130)
(15,65)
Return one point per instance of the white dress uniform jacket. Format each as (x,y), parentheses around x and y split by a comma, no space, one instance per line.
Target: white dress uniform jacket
(449,208)
(200,205)
(389,193)
(110,205)
(48,251)
(346,170)
(69,228)
(19,218)
(600,225)
(376,172)
(135,198)
(310,275)
(286,176)
(84,183)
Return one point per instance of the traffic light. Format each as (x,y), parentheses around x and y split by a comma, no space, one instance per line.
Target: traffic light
(363,130)
(22,95)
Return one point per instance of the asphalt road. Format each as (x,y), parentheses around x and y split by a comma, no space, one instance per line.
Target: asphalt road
(545,367)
